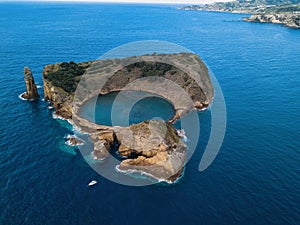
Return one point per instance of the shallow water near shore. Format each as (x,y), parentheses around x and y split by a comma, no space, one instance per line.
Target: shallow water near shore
(126,108)
(255,177)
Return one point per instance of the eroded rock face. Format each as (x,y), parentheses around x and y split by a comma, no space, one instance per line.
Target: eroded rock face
(31,89)
(103,141)
(151,147)
(60,99)
(101,149)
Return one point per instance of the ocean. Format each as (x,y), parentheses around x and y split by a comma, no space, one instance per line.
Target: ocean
(100,108)
(254,179)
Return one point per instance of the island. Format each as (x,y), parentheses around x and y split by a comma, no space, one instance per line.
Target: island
(284,12)
(150,147)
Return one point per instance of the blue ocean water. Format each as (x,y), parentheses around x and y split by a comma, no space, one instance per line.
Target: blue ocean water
(114,109)
(255,178)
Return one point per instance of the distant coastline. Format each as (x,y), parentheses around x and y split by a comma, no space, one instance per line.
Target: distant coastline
(286,13)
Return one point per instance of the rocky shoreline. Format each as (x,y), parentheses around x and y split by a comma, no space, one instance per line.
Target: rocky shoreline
(150,147)
(287,20)
(287,14)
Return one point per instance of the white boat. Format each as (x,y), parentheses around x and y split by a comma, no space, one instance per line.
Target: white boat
(93,182)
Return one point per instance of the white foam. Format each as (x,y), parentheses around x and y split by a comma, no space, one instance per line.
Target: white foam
(181,134)
(203,109)
(131,171)
(25,99)
(68,142)
(55,116)
(38,86)
(95,158)
(75,129)
(20,97)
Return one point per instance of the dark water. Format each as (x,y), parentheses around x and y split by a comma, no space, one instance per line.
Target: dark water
(255,178)
(126,108)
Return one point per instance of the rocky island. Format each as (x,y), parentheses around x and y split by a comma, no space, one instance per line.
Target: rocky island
(151,147)
(284,12)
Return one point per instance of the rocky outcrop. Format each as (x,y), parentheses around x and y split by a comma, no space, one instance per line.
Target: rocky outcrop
(103,142)
(31,89)
(60,99)
(151,147)
(287,19)
(73,140)
(101,150)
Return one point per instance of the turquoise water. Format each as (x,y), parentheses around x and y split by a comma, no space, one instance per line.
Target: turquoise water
(255,178)
(126,108)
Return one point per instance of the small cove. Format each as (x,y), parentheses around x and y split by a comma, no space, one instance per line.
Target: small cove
(126,107)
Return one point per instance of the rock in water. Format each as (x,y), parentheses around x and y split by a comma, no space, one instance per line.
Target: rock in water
(31,89)
(72,140)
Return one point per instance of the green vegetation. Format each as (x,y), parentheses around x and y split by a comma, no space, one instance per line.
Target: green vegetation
(283,8)
(151,68)
(270,2)
(171,135)
(67,76)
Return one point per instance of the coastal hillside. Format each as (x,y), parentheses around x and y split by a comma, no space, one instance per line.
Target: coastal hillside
(251,6)
(285,12)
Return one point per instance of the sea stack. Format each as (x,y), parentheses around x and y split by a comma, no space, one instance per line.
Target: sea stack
(31,89)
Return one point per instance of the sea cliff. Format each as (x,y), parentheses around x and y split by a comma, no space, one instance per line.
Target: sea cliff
(60,81)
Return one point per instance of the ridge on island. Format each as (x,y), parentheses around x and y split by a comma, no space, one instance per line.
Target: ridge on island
(151,147)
